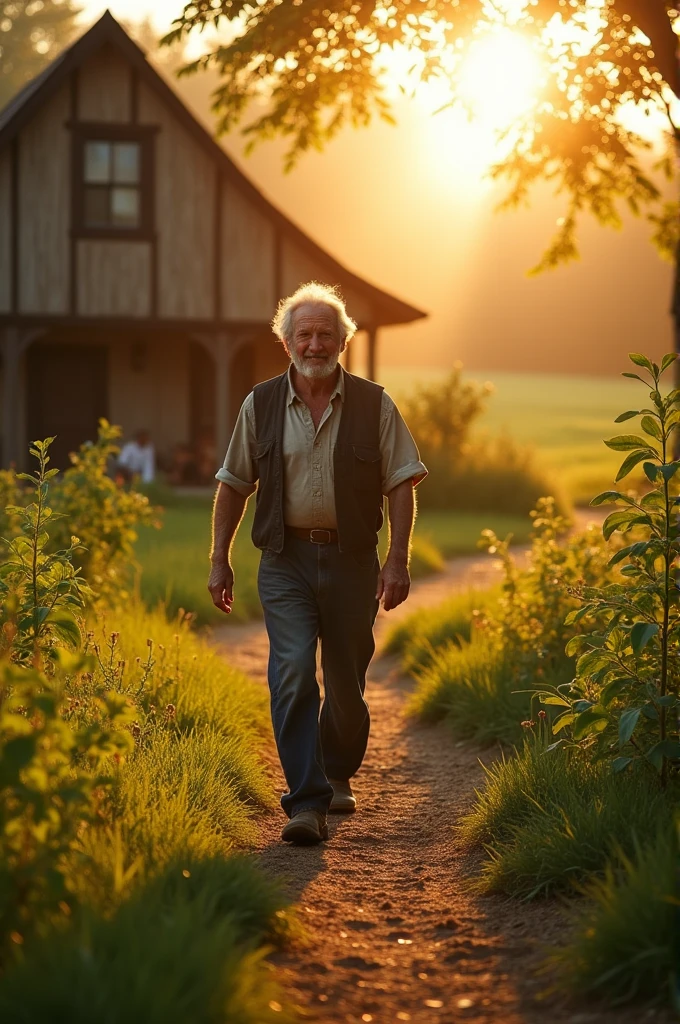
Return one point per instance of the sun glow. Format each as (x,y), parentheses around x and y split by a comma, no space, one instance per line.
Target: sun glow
(500,78)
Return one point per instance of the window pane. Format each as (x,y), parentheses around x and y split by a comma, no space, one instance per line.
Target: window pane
(125,207)
(97,161)
(126,163)
(97,207)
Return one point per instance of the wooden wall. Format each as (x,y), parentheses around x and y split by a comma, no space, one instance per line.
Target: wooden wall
(5,233)
(186,179)
(45,209)
(105,88)
(114,278)
(248,259)
(154,395)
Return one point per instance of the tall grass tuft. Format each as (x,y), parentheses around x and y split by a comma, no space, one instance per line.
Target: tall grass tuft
(420,634)
(182,948)
(471,686)
(625,943)
(550,820)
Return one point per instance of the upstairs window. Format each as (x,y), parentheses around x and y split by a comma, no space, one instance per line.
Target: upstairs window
(113,181)
(112,184)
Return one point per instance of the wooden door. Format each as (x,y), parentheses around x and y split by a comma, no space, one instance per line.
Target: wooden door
(66,396)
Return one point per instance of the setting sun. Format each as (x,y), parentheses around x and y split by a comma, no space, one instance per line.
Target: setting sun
(500,78)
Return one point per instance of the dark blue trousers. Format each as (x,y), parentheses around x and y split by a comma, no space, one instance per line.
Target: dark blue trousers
(313,593)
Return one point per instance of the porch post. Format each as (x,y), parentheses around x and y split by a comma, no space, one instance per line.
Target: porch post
(348,357)
(223,412)
(371,353)
(11,354)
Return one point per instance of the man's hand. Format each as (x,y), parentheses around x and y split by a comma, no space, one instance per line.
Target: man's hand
(221,586)
(394,583)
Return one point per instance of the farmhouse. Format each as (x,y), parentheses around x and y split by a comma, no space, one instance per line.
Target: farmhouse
(139,267)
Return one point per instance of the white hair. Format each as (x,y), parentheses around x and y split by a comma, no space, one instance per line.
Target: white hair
(312,292)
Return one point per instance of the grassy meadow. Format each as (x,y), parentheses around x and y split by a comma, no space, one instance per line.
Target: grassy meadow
(563,417)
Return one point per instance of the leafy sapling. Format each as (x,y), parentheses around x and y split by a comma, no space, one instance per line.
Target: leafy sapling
(623,703)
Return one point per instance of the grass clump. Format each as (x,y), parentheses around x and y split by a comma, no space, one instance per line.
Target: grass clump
(625,943)
(419,635)
(549,820)
(471,687)
(183,948)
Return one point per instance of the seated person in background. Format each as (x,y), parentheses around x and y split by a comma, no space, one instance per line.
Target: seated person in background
(138,459)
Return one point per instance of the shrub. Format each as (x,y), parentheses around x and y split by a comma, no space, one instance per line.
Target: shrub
(492,474)
(129,769)
(549,821)
(624,938)
(518,639)
(623,705)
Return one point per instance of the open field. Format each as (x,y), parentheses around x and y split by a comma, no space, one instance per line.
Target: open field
(565,418)
(174,559)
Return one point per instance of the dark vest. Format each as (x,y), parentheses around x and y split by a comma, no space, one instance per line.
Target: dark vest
(356,464)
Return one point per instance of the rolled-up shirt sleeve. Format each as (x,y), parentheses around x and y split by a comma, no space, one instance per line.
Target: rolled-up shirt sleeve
(400,457)
(238,470)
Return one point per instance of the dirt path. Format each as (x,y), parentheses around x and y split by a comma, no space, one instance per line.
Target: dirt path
(393,933)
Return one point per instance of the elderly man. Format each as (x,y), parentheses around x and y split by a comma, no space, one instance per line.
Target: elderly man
(323,447)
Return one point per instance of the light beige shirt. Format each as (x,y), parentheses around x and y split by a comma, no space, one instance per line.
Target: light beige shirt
(309,487)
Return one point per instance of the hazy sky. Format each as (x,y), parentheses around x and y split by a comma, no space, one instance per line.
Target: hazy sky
(410,210)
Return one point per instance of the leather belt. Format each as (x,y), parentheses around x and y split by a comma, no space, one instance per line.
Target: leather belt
(314,536)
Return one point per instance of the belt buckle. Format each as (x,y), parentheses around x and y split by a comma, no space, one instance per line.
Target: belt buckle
(314,541)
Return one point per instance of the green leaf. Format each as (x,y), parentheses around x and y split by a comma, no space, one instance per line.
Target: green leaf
(651,427)
(563,721)
(65,626)
(627,416)
(640,360)
(666,748)
(627,442)
(593,720)
(631,462)
(627,723)
(614,688)
(669,471)
(558,701)
(641,634)
(16,754)
(615,520)
(576,644)
(635,376)
(619,764)
(607,497)
(669,358)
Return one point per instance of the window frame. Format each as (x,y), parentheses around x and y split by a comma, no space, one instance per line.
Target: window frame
(143,135)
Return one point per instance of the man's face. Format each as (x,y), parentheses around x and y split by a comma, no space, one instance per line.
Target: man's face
(315,346)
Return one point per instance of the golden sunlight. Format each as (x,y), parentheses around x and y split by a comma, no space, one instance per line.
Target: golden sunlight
(500,78)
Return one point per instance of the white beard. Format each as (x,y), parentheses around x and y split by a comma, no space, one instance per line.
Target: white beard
(313,370)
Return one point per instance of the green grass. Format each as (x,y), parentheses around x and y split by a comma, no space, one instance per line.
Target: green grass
(174,560)
(564,417)
(624,942)
(183,948)
(550,821)
(472,687)
(417,637)
(164,920)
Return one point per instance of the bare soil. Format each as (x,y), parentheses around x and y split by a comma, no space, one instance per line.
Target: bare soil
(392,930)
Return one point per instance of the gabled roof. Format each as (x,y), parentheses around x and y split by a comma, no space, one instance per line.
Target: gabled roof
(23,106)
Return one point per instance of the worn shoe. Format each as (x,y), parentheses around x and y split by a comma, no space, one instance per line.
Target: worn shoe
(305,828)
(344,800)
